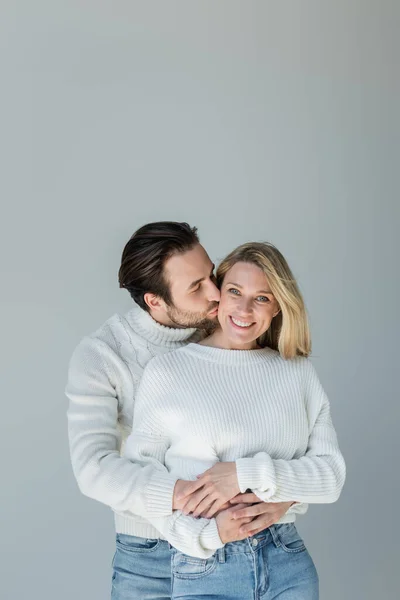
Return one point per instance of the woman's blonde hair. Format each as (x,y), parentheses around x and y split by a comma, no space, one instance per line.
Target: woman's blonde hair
(289,332)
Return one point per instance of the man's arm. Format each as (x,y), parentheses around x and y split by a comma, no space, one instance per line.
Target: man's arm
(95,372)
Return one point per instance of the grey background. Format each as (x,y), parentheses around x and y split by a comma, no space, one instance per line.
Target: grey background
(255,121)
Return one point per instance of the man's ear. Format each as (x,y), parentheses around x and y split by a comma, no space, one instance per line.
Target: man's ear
(154,302)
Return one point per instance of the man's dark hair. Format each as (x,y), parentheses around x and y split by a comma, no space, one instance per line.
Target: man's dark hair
(144,256)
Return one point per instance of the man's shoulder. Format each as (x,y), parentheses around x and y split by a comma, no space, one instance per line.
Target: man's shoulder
(109,341)
(114,332)
(169,360)
(103,336)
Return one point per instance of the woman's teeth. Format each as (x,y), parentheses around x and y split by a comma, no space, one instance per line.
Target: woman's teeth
(241,323)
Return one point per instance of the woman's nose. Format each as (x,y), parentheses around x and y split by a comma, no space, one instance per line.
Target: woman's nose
(245,307)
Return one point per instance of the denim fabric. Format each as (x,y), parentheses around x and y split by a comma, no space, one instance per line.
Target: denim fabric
(141,569)
(272,565)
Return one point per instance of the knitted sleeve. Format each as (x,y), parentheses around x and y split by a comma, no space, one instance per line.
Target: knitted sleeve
(316,477)
(94,437)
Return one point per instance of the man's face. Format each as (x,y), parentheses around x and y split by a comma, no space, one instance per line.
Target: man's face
(195,297)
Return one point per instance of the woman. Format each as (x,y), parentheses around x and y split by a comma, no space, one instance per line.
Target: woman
(247,400)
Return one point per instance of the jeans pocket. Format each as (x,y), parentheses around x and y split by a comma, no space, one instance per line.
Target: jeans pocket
(190,567)
(133,543)
(289,538)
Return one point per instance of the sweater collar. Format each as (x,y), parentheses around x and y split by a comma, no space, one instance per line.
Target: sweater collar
(224,356)
(149,329)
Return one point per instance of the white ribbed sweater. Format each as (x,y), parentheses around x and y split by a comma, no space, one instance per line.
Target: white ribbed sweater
(104,373)
(199,405)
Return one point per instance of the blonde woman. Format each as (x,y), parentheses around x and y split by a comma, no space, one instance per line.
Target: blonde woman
(245,409)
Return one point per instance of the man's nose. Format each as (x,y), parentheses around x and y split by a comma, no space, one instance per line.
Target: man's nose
(213,293)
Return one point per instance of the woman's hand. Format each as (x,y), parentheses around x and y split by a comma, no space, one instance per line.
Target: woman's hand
(262,514)
(208,494)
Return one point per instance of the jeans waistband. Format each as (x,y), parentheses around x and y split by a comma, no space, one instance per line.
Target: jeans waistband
(251,544)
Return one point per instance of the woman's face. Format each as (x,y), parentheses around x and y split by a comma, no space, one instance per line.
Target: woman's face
(247,305)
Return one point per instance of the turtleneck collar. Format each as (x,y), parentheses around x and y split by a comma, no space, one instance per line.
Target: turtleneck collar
(149,329)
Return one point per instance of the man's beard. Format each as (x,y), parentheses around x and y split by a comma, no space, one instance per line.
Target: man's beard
(183,318)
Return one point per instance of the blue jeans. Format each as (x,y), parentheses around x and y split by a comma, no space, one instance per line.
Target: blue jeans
(141,569)
(272,565)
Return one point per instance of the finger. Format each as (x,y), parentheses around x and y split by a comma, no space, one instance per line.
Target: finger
(205,492)
(190,489)
(252,511)
(202,508)
(258,524)
(194,500)
(233,509)
(246,498)
(216,507)
(261,508)
(253,532)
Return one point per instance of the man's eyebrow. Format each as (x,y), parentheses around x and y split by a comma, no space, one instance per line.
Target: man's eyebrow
(194,283)
(239,286)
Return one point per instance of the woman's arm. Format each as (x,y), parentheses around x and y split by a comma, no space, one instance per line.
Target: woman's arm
(316,477)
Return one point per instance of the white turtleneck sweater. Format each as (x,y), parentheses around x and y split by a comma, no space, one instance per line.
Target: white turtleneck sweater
(103,377)
(200,405)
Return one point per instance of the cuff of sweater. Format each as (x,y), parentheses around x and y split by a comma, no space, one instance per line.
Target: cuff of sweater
(159,494)
(209,537)
(256,473)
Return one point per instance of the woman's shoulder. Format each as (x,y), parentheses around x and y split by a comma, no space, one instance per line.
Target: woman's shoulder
(298,364)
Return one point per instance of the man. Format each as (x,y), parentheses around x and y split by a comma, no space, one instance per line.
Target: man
(171,280)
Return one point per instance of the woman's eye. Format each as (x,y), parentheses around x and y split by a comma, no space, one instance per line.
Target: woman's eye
(263,299)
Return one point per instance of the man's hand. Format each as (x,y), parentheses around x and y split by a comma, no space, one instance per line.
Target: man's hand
(262,514)
(228,527)
(207,495)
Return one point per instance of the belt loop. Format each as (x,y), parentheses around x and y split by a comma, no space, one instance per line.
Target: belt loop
(275,537)
(221,554)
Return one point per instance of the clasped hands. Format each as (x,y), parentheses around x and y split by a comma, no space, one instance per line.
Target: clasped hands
(216,493)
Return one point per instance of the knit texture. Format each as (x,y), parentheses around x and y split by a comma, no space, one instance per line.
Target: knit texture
(104,373)
(200,405)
